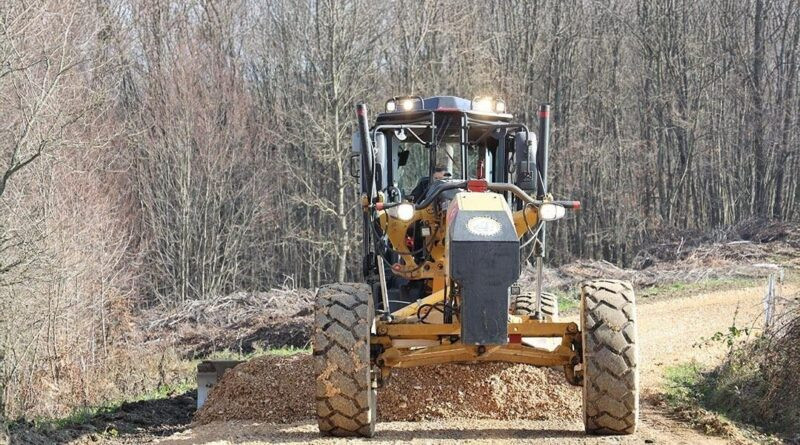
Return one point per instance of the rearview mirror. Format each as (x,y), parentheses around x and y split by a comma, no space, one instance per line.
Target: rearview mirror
(402,158)
(355,165)
(525,159)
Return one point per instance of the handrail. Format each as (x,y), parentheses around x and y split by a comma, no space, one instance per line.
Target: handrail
(493,186)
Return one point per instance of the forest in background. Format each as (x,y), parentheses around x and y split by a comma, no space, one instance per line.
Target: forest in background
(155,151)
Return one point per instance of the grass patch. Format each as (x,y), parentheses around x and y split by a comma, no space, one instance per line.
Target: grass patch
(567,302)
(290,350)
(679,289)
(712,403)
(227,354)
(685,383)
(686,393)
(84,415)
(165,391)
(77,417)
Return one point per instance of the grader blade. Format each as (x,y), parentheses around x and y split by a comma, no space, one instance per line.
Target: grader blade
(209,372)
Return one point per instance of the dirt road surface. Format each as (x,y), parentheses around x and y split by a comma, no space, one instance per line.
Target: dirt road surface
(669,332)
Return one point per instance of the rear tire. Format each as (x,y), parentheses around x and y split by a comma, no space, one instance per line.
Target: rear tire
(610,357)
(525,304)
(345,393)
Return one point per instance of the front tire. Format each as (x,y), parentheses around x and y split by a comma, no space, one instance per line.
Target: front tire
(610,357)
(345,393)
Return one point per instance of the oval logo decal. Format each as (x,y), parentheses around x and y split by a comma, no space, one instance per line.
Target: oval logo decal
(483,226)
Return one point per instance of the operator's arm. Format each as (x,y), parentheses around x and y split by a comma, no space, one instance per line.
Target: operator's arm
(419,190)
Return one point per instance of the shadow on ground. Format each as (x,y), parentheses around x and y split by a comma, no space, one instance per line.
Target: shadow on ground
(239,432)
(134,422)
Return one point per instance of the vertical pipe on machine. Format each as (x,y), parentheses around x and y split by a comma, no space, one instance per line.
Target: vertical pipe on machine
(368,188)
(366,181)
(367,164)
(541,150)
(541,191)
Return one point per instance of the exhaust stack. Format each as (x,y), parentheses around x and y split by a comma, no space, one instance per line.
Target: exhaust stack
(541,150)
(541,191)
(367,163)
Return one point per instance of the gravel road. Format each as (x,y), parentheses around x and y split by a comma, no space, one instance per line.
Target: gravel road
(669,332)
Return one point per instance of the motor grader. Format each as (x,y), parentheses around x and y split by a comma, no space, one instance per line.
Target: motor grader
(455,201)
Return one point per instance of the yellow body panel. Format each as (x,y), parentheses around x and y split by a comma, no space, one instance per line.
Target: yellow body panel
(483,201)
(397,229)
(525,218)
(405,342)
(411,309)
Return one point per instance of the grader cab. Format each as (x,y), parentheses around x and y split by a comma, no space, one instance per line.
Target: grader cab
(455,201)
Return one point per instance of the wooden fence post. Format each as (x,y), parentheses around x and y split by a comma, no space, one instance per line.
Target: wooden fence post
(769,301)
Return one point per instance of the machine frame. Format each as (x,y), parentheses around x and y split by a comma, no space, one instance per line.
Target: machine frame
(399,340)
(441,268)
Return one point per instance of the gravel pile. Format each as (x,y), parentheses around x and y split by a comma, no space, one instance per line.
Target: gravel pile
(281,390)
(499,391)
(270,388)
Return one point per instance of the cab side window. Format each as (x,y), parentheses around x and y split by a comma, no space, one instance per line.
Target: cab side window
(415,166)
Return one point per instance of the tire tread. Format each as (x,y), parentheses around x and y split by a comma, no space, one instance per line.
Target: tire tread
(610,357)
(525,304)
(345,398)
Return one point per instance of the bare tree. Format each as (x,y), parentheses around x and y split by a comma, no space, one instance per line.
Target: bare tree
(315,62)
(38,52)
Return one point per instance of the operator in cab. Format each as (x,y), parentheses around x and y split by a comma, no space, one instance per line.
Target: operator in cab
(439,173)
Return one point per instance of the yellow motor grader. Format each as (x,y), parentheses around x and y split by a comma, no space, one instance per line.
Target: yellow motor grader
(455,201)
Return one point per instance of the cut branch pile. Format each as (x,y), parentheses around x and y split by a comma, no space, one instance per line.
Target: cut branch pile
(745,251)
(240,322)
(237,307)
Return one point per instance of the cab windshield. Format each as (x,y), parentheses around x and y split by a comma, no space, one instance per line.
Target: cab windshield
(449,158)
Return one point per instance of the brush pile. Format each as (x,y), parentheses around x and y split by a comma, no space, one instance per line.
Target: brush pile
(240,322)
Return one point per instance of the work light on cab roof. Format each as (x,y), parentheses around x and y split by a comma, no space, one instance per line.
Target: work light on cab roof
(480,104)
(404,103)
(488,104)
